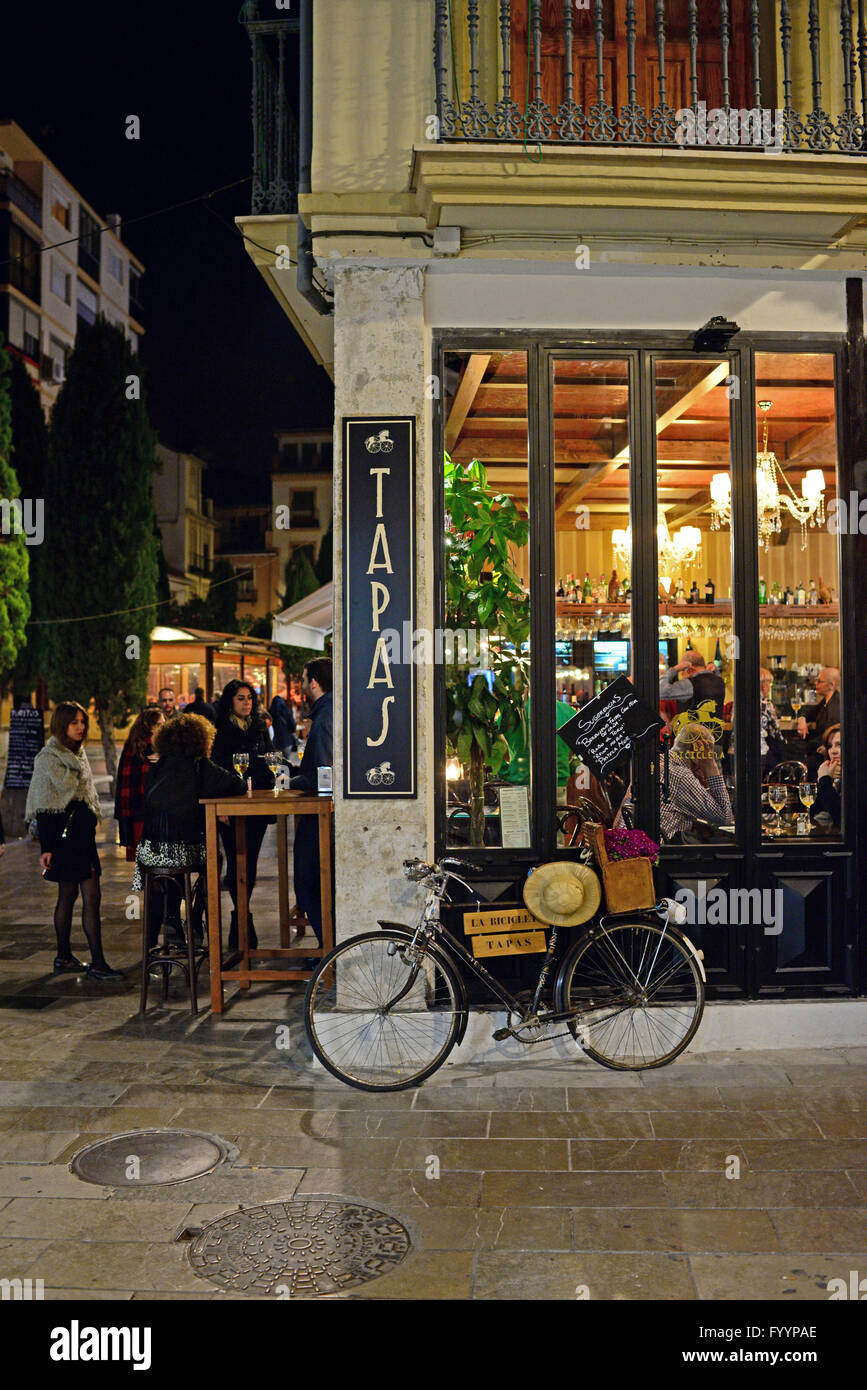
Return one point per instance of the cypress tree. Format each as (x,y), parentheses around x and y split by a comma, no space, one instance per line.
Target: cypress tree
(325,562)
(14,559)
(100,534)
(30,459)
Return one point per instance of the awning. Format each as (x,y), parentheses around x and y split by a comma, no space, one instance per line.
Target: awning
(308,622)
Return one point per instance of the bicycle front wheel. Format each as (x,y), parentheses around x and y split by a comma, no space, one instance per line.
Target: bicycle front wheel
(638,994)
(378,1019)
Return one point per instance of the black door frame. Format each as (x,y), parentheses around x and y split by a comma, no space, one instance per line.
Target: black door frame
(642,349)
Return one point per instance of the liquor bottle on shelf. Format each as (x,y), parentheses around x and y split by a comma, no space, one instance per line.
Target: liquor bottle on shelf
(602,590)
(561,592)
(689,644)
(612,587)
(694,595)
(775,592)
(763,591)
(626,590)
(814,594)
(586,588)
(788,596)
(679,595)
(801,594)
(709,592)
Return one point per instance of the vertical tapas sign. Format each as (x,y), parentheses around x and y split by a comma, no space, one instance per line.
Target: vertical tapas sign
(379,670)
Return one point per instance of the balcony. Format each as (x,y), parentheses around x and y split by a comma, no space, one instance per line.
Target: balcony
(275,131)
(745,73)
(20,196)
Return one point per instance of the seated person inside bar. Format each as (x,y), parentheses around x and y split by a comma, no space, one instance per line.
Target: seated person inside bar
(697,790)
(813,725)
(704,681)
(828,801)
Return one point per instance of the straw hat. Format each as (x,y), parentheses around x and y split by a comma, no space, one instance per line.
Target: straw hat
(563,894)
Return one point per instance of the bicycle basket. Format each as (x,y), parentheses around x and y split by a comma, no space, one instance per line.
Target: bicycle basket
(626,883)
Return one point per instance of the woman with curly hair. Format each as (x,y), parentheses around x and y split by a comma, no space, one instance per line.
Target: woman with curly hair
(174,823)
(241,729)
(63,798)
(133,770)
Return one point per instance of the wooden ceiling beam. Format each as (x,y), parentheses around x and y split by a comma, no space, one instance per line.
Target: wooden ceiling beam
(470,382)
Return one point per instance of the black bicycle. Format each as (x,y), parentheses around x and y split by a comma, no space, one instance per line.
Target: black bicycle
(384,1009)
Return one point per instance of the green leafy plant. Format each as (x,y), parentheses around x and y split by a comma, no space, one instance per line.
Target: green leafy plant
(484,592)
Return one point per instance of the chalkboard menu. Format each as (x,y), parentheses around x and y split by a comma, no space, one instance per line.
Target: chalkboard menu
(379,637)
(607,726)
(26,737)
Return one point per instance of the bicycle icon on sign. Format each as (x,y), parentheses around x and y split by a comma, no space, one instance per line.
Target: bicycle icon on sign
(381,776)
(381,443)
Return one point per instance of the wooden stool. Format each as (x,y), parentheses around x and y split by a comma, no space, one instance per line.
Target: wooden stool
(163,959)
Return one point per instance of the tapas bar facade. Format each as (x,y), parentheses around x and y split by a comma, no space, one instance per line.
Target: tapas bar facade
(648,364)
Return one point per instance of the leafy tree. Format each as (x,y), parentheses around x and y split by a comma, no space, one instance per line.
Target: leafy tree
(483,592)
(14,560)
(325,562)
(100,534)
(299,579)
(30,458)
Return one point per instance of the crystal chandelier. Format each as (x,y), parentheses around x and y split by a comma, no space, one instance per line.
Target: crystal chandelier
(808,508)
(683,548)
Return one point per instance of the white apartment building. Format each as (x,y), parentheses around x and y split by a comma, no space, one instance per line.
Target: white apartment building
(186,521)
(302,482)
(45,293)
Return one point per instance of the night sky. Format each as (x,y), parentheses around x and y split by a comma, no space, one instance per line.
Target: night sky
(224,365)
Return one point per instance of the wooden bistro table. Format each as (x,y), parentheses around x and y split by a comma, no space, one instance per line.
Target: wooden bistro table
(236,965)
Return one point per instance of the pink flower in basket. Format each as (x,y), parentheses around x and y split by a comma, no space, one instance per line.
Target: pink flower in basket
(631,844)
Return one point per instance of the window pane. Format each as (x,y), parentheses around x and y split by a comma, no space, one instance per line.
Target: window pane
(483,644)
(696,647)
(799,593)
(593,564)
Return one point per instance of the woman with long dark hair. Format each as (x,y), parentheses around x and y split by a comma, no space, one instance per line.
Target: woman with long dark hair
(63,799)
(241,729)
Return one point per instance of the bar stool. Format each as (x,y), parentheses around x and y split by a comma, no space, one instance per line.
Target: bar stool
(163,958)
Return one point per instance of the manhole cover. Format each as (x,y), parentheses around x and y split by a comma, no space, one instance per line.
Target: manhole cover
(146,1157)
(305,1247)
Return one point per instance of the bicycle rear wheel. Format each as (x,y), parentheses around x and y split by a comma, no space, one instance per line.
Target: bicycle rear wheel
(638,991)
(379,1021)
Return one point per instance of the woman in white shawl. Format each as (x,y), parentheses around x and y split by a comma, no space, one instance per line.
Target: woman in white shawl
(63,799)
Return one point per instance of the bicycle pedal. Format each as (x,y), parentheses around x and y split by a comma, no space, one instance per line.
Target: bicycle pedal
(501,1034)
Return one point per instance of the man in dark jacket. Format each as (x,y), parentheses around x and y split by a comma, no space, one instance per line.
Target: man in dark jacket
(316,684)
(200,706)
(820,717)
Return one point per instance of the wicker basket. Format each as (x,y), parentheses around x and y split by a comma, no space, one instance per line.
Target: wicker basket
(627,884)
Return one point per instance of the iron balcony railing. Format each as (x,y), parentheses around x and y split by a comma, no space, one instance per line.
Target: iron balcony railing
(647,72)
(275,130)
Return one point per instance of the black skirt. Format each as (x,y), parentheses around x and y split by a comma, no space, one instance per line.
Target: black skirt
(74,857)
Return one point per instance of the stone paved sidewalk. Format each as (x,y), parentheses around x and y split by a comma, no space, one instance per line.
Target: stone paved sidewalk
(554,1176)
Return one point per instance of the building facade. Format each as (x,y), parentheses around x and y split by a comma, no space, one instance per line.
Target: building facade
(598,249)
(186,520)
(245,541)
(46,293)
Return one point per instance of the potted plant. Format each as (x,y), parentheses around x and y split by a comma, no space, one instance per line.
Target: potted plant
(484,594)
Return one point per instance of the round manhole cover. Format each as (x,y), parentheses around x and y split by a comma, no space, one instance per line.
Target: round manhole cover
(305,1247)
(147,1157)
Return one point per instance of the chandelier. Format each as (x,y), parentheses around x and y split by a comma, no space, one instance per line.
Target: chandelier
(683,548)
(808,508)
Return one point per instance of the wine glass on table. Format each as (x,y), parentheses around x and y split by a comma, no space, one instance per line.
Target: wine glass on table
(274,761)
(777,796)
(240,762)
(796,703)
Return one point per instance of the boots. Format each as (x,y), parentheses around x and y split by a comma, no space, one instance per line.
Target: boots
(252,939)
